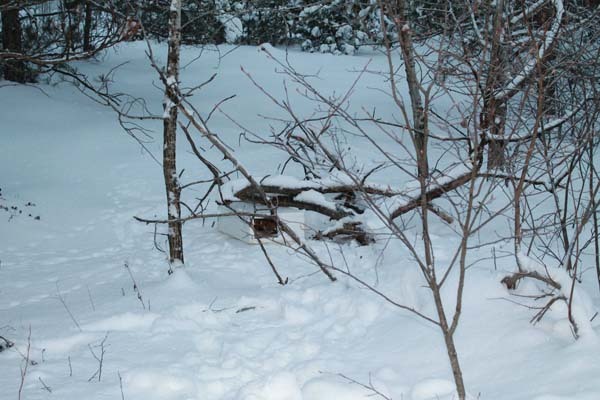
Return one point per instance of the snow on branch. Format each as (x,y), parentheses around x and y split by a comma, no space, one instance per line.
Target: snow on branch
(551,34)
(528,11)
(558,286)
(336,198)
(293,186)
(440,185)
(544,127)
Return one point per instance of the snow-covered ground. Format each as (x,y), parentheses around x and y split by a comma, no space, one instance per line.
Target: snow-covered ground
(221,327)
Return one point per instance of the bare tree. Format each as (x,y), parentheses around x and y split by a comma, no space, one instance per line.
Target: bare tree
(171,176)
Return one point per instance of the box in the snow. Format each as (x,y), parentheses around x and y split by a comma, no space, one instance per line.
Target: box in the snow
(255,221)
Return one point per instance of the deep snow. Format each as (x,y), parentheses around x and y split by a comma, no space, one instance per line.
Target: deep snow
(221,327)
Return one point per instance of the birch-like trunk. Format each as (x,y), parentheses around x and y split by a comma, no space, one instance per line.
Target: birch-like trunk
(170,136)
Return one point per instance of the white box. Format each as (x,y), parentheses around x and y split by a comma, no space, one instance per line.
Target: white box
(241,227)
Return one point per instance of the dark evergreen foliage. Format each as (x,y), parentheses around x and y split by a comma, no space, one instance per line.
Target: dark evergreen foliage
(265,20)
(199,18)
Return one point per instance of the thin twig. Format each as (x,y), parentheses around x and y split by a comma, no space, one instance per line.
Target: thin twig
(99,358)
(121,385)
(90,297)
(24,369)
(44,386)
(64,303)
(136,288)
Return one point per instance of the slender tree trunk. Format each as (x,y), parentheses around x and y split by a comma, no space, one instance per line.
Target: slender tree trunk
(594,215)
(448,333)
(419,116)
(420,134)
(13,70)
(494,110)
(87,27)
(67,27)
(399,11)
(455,365)
(170,136)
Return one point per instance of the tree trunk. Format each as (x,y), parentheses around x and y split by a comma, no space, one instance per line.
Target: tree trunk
(494,110)
(494,120)
(87,27)
(419,131)
(170,136)
(448,339)
(13,70)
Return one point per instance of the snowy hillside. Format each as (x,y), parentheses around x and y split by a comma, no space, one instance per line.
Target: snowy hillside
(86,298)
